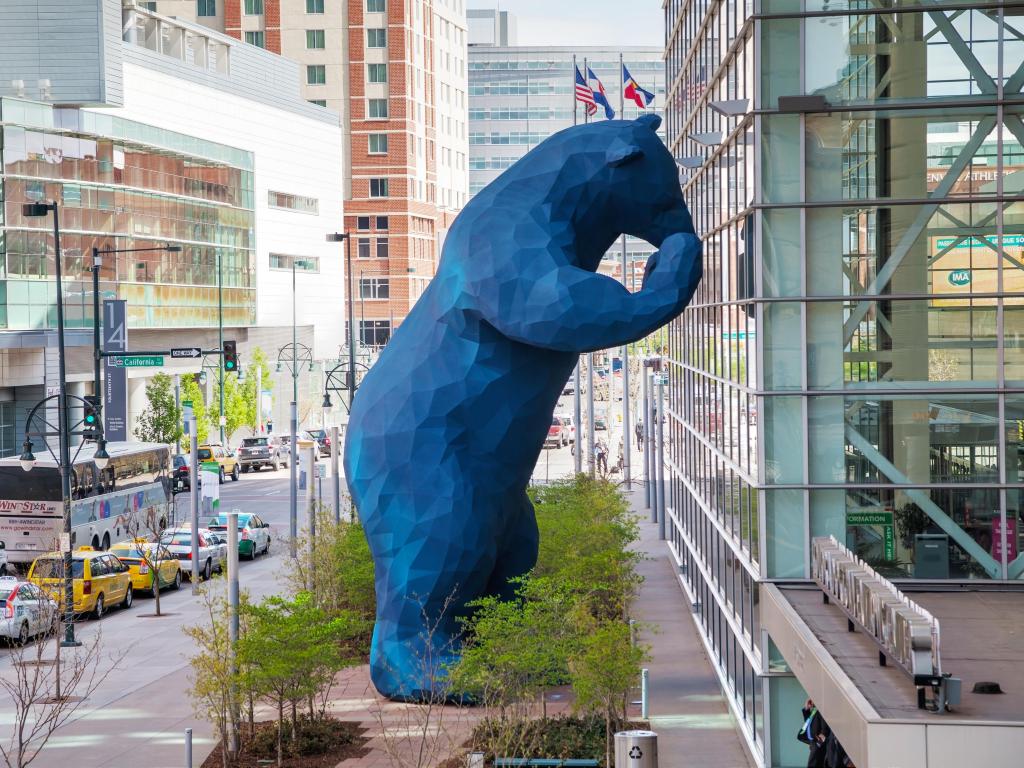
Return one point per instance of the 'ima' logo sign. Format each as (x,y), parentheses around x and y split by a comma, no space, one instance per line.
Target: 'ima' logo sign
(960,277)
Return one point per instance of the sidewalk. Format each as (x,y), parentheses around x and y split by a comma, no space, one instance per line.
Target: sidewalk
(685,703)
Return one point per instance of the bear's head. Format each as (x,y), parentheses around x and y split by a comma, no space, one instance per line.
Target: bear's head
(638,188)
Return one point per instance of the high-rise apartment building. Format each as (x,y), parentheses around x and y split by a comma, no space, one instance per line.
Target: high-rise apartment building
(851,364)
(395,70)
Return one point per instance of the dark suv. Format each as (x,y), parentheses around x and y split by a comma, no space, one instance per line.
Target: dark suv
(323,441)
(259,452)
(180,475)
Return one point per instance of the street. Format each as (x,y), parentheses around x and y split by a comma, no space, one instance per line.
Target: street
(139,713)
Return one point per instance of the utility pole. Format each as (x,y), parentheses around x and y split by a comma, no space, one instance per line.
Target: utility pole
(177,409)
(293,469)
(220,342)
(233,622)
(661,454)
(193,492)
(648,450)
(335,473)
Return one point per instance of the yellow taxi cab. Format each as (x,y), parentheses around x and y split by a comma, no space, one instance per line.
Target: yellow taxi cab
(143,557)
(100,580)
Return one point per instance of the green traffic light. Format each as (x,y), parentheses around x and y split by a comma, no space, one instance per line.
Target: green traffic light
(90,419)
(229,365)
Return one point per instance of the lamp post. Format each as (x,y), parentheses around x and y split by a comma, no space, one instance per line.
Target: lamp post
(337,237)
(293,365)
(97,263)
(39,210)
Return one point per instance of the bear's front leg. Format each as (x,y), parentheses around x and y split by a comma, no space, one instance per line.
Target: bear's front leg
(574,310)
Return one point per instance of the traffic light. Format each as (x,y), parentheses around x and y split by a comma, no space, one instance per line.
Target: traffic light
(91,419)
(230,356)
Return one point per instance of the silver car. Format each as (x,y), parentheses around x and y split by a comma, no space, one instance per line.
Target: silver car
(213,553)
(258,452)
(25,610)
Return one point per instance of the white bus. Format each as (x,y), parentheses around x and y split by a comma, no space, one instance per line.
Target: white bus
(136,481)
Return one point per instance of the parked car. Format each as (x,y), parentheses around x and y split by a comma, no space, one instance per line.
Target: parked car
(600,423)
(3,559)
(323,441)
(25,610)
(259,452)
(558,435)
(135,555)
(253,533)
(227,461)
(99,580)
(212,553)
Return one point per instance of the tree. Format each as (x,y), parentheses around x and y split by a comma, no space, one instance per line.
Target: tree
(45,693)
(290,654)
(191,391)
(140,529)
(160,422)
(604,666)
(338,573)
(214,690)
(257,371)
(235,408)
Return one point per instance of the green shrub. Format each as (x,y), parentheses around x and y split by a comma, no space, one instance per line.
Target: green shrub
(315,737)
(565,736)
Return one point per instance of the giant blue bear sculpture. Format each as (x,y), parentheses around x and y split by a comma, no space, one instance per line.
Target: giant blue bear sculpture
(447,426)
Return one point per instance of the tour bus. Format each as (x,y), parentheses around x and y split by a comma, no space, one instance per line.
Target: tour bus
(135,482)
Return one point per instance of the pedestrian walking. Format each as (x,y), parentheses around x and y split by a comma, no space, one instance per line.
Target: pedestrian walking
(639,430)
(601,452)
(814,733)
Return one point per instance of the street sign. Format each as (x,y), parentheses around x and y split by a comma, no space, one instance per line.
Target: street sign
(115,380)
(137,361)
(186,352)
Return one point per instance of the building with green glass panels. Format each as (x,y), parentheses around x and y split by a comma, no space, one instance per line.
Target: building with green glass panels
(853,362)
(122,184)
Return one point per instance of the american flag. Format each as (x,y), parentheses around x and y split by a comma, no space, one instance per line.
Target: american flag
(695,88)
(584,93)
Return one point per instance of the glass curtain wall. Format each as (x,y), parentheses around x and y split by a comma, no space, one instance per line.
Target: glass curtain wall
(123,185)
(852,362)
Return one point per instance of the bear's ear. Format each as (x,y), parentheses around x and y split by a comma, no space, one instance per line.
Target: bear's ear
(620,153)
(649,120)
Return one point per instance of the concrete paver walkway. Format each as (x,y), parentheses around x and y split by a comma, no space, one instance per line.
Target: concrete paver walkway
(685,702)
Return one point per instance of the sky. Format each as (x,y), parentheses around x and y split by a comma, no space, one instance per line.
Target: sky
(588,22)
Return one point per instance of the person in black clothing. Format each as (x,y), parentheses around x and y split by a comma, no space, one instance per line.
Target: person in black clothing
(639,434)
(814,732)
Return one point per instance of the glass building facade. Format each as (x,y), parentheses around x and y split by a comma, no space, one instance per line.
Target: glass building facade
(122,184)
(853,361)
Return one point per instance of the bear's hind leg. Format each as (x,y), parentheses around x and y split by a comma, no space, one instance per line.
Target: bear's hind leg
(517,549)
(435,561)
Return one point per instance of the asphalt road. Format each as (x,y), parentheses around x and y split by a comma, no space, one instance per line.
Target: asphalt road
(137,716)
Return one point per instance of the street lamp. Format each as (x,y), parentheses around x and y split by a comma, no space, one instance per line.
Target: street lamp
(41,210)
(337,237)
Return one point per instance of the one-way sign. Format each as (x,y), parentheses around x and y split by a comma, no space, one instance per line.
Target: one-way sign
(186,352)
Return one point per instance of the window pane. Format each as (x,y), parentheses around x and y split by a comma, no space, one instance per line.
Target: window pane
(382,247)
(363,248)
(314,6)
(376,38)
(382,222)
(316,74)
(362,222)
(925,533)
(378,187)
(920,343)
(315,38)
(375,6)
(206,7)
(377,73)
(378,108)
(378,143)
(256,38)
(254,7)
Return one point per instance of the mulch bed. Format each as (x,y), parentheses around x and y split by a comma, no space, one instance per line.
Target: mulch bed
(351,743)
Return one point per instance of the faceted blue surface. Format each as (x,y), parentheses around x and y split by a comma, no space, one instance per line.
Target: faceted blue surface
(447,426)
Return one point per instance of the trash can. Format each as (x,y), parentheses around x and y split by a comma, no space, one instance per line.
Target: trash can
(636,749)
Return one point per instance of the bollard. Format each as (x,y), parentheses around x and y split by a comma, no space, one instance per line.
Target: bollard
(188,748)
(335,474)
(645,678)
(636,749)
(233,623)
(476,760)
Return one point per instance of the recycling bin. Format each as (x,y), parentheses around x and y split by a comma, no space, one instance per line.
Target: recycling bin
(636,749)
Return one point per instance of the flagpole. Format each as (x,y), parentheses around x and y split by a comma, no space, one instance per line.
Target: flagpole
(626,434)
(590,355)
(577,403)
